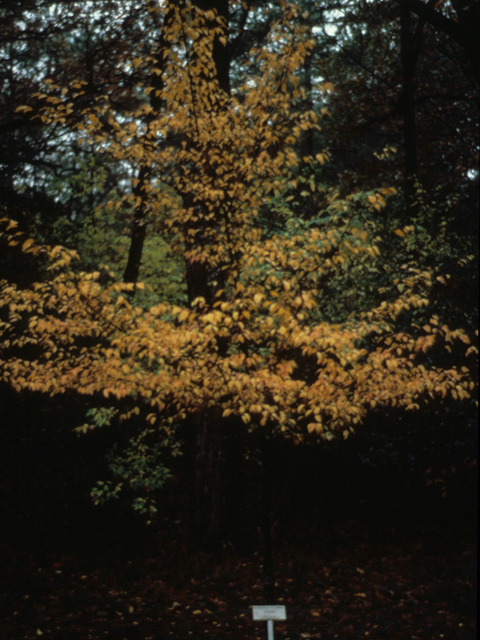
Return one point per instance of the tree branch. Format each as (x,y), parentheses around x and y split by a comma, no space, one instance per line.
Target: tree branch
(435,18)
(464,32)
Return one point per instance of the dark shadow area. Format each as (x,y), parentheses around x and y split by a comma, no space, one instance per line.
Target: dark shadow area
(395,504)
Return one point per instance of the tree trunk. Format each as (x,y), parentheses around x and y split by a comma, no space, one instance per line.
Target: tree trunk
(209,468)
(408,107)
(221,56)
(139,225)
(468,13)
(464,30)
(265,519)
(138,233)
(211,483)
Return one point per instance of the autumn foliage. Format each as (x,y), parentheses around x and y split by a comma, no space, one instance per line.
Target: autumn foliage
(274,332)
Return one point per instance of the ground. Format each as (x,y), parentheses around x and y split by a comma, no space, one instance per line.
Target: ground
(353,584)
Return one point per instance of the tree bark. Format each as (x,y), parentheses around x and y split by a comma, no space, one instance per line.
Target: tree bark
(307,139)
(199,276)
(465,31)
(139,224)
(221,54)
(265,519)
(209,497)
(138,232)
(210,467)
(408,107)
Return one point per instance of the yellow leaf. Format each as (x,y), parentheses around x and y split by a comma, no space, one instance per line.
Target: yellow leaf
(388,191)
(183,315)
(27,243)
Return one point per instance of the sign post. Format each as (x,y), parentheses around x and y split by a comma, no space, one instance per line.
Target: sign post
(269,612)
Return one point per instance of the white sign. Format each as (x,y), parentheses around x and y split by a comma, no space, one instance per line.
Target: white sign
(269,612)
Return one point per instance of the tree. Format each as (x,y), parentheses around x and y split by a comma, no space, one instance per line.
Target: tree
(463,28)
(51,184)
(292,334)
(405,93)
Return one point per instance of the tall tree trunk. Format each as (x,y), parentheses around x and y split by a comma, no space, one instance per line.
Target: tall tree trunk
(307,138)
(138,232)
(210,465)
(265,523)
(199,276)
(464,29)
(221,54)
(408,107)
(139,224)
(468,13)
(209,469)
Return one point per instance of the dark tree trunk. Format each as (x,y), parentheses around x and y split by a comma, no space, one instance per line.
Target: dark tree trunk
(139,231)
(307,138)
(221,55)
(209,469)
(139,224)
(218,482)
(464,30)
(408,107)
(199,276)
(199,282)
(468,12)
(266,524)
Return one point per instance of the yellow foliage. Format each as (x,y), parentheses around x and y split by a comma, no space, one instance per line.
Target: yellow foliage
(246,353)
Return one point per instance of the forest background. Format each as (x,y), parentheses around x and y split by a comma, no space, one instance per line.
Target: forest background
(239,269)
